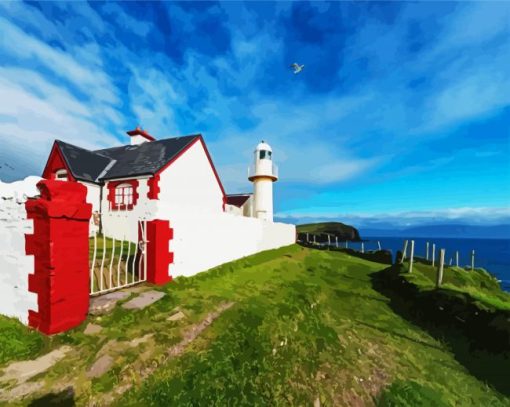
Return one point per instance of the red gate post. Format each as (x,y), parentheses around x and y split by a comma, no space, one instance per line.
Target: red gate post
(159,257)
(60,245)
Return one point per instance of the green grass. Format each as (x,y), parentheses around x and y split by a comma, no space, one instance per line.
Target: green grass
(18,341)
(306,325)
(107,243)
(478,283)
(349,347)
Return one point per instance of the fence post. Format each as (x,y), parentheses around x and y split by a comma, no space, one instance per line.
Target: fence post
(379,244)
(307,239)
(433,254)
(314,241)
(404,252)
(159,233)
(472,260)
(457,258)
(60,246)
(427,253)
(411,257)
(346,245)
(439,279)
(336,241)
(362,247)
(329,241)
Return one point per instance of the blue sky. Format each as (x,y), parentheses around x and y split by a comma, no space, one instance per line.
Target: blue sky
(402,112)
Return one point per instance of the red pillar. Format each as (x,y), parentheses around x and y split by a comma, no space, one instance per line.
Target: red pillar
(158,252)
(60,246)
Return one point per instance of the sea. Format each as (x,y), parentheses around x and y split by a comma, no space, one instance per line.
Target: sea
(491,254)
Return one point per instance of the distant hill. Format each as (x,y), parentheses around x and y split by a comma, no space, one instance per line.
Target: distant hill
(341,230)
(453,231)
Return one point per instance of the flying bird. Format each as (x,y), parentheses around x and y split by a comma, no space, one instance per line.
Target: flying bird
(297,68)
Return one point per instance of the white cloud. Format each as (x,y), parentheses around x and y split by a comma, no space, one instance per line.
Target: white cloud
(17,44)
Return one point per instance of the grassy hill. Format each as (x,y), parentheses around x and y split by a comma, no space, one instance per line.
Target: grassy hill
(305,325)
(343,231)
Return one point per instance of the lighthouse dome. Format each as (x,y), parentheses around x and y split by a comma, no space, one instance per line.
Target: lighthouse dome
(263,146)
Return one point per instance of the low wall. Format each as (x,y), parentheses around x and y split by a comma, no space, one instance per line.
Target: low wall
(202,241)
(15,264)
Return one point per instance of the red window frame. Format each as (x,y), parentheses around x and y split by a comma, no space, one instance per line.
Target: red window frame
(113,194)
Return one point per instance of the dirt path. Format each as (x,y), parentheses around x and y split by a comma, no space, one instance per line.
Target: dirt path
(145,371)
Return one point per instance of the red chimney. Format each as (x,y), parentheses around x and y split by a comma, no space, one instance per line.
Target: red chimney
(139,136)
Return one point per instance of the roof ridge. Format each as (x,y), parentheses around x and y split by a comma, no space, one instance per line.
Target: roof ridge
(84,149)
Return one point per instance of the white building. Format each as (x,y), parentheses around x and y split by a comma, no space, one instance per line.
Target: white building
(175,179)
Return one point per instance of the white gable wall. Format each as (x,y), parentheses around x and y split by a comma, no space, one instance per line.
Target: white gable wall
(189,183)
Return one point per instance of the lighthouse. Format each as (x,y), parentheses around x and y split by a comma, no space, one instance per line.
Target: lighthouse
(263,173)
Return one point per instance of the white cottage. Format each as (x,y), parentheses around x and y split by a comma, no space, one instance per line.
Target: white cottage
(175,179)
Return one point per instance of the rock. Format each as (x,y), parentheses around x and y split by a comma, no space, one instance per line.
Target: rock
(100,366)
(177,316)
(143,300)
(20,391)
(138,341)
(92,329)
(105,303)
(22,371)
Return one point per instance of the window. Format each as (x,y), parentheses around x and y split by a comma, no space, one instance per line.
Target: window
(264,154)
(61,175)
(124,196)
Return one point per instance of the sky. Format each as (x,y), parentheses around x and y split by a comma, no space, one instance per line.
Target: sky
(401,113)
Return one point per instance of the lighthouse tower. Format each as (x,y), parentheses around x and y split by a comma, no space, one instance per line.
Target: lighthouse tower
(263,173)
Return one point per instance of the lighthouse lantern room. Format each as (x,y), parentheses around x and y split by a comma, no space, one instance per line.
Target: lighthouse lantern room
(263,173)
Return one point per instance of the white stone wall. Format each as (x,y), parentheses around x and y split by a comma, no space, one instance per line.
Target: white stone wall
(15,265)
(205,240)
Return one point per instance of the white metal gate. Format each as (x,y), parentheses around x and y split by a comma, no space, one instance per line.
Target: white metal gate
(117,263)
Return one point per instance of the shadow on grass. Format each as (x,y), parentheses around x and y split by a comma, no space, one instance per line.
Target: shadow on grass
(491,367)
(63,398)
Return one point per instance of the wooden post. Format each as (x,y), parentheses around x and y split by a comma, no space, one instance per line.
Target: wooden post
(307,239)
(457,258)
(451,261)
(379,244)
(439,279)
(314,242)
(411,257)
(472,260)
(362,247)
(346,245)
(329,241)
(433,254)
(427,253)
(336,241)
(404,252)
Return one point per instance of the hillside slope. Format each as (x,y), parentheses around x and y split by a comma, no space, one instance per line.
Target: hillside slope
(305,326)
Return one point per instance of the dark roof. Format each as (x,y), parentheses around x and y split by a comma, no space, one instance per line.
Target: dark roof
(237,199)
(85,165)
(145,158)
(124,161)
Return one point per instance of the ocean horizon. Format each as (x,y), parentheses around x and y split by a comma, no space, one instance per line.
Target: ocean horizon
(491,254)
